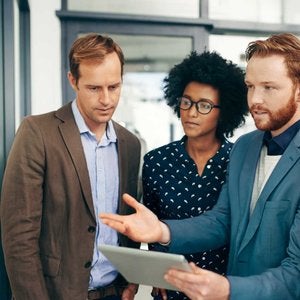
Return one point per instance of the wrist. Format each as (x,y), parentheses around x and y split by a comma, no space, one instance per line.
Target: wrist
(227,289)
(165,234)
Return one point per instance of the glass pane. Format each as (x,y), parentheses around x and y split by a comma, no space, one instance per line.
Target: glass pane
(268,11)
(232,46)
(291,11)
(142,108)
(171,8)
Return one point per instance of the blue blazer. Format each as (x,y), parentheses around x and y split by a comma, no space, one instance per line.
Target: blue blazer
(264,258)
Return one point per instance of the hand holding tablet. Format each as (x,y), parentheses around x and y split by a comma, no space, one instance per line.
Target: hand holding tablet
(144,267)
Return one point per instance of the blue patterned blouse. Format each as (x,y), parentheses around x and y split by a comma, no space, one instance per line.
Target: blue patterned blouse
(173,189)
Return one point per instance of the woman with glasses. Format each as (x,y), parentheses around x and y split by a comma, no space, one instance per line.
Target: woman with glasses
(184,178)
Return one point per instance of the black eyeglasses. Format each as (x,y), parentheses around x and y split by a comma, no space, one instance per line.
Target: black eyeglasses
(203,106)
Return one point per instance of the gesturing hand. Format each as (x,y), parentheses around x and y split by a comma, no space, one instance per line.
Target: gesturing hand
(142,226)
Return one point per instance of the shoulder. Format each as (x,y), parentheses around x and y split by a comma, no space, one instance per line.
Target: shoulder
(63,113)
(226,145)
(248,137)
(50,120)
(247,141)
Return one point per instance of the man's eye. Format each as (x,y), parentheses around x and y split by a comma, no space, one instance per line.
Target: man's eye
(93,89)
(113,87)
(269,88)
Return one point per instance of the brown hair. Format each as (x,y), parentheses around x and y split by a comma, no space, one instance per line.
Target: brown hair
(284,44)
(92,47)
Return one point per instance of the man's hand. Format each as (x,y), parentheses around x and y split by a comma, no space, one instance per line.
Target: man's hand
(142,226)
(200,284)
(158,291)
(130,291)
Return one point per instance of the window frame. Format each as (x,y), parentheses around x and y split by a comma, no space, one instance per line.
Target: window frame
(74,23)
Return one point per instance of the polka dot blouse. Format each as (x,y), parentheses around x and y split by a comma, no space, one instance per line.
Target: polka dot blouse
(173,189)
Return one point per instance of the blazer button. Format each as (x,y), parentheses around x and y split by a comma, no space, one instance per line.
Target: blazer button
(87,264)
(91,229)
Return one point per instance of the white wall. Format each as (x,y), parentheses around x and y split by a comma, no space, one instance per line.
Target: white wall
(45,56)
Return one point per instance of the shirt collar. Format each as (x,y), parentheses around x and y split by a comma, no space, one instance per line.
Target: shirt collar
(110,134)
(278,144)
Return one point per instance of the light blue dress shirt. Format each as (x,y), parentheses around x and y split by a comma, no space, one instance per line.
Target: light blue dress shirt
(102,163)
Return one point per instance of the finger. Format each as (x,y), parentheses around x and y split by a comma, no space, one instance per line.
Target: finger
(182,276)
(195,269)
(173,281)
(178,273)
(133,287)
(116,225)
(183,285)
(129,200)
(111,217)
(128,294)
(154,291)
(163,294)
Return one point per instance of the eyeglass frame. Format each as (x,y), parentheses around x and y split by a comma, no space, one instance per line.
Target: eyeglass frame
(212,106)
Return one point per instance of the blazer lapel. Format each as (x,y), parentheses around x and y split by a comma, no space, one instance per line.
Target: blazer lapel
(71,137)
(286,162)
(247,178)
(123,167)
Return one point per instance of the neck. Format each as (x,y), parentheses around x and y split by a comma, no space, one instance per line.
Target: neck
(98,130)
(204,146)
(202,151)
(279,131)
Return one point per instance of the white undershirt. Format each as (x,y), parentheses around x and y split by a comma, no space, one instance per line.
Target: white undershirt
(265,167)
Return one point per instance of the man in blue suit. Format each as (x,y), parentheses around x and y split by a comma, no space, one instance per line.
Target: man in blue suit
(258,212)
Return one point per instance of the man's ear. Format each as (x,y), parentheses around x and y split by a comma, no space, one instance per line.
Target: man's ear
(298,92)
(72,81)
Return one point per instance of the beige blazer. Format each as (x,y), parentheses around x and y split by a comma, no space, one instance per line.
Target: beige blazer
(47,215)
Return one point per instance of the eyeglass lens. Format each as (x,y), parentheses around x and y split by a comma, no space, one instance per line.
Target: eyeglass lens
(202,106)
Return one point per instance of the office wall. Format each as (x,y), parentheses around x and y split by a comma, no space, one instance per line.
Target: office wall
(45,56)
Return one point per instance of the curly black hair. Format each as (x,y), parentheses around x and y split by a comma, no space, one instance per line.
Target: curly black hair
(225,76)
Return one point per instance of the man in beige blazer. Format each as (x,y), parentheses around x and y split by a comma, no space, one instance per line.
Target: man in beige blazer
(64,168)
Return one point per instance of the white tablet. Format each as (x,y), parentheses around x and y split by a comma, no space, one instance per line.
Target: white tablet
(143,266)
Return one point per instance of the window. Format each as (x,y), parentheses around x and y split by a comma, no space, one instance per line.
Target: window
(267,11)
(168,8)
(142,107)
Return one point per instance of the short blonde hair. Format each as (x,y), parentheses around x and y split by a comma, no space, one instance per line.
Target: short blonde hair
(92,47)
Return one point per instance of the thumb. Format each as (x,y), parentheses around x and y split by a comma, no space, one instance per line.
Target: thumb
(195,269)
(129,200)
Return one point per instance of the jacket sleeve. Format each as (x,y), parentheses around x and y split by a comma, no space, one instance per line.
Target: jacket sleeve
(210,230)
(21,213)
